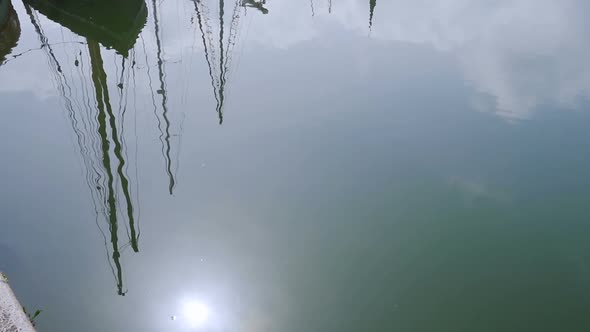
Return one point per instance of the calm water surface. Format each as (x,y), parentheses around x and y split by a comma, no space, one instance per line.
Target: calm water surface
(324,165)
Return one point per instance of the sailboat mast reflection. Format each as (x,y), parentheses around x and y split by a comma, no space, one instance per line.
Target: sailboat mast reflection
(372,4)
(103,103)
(96,111)
(219,67)
(164,132)
(96,128)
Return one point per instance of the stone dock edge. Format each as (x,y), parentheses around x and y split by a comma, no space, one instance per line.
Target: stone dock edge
(12,315)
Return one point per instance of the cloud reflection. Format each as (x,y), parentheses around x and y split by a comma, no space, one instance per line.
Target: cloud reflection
(524,53)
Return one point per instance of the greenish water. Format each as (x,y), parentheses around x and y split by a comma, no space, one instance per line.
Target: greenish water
(296,166)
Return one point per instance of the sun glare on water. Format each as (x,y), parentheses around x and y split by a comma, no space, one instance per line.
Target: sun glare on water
(195,313)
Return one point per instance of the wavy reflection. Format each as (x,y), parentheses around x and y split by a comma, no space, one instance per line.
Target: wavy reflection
(99,79)
(224,48)
(94,72)
(96,124)
(164,132)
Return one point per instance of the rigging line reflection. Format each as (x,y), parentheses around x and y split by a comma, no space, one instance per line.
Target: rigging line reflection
(40,48)
(61,81)
(201,21)
(133,63)
(231,42)
(122,166)
(162,91)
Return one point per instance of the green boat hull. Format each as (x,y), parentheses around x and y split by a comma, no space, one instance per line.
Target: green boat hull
(9,29)
(115,24)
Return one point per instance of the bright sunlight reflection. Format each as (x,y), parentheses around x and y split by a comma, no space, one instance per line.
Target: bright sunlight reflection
(195,313)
